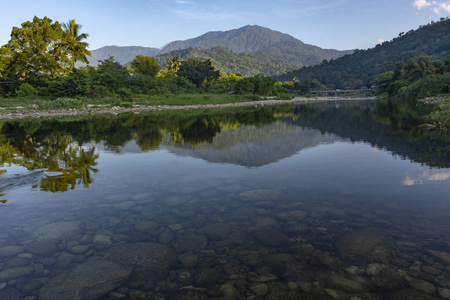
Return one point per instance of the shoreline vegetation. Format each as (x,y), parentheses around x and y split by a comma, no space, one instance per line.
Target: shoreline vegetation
(33,111)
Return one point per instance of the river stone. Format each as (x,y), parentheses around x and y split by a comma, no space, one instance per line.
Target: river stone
(145,226)
(272,238)
(174,201)
(79,249)
(150,262)
(348,285)
(293,215)
(327,260)
(280,263)
(12,273)
(216,231)
(208,277)
(166,236)
(191,242)
(361,247)
(102,240)
(57,231)
(443,257)
(410,294)
(260,289)
(423,286)
(188,260)
(373,269)
(261,195)
(444,293)
(11,250)
(42,247)
(87,281)
(125,205)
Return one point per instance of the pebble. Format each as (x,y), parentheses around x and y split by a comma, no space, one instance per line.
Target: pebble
(79,249)
(373,269)
(423,286)
(260,289)
(444,293)
(11,250)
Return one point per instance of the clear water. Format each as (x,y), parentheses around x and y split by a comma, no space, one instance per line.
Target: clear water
(320,201)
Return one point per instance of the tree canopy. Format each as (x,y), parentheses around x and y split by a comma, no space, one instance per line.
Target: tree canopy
(43,47)
(145,65)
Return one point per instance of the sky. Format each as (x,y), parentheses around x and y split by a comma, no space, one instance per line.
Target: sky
(331,24)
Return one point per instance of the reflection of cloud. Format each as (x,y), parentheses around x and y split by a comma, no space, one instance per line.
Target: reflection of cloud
(425,178)
(436,7)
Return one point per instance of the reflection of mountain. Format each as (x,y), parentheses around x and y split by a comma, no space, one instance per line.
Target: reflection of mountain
(254,146)
(390,125)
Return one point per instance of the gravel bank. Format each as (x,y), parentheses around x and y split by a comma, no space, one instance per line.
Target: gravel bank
(35,113)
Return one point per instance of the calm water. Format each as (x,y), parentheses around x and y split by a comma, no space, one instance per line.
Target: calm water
(334,200)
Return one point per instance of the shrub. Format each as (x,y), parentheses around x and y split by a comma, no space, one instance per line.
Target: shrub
(26,90)
(125,94)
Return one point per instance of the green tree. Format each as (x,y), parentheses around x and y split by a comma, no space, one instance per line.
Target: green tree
(173,64)
(36,49)
(73,44)
(5,59)
(145,65)
(111,74)
(198,71)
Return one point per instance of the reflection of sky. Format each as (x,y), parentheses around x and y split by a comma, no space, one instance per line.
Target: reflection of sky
(425,177)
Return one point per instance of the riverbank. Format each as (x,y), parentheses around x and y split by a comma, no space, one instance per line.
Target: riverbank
(34,112)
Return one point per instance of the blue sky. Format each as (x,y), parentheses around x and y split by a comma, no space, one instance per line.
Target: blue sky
(337,24)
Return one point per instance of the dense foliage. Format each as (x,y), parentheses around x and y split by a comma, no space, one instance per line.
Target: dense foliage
(359,69)
(417,78)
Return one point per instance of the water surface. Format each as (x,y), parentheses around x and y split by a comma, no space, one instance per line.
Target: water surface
(320,201)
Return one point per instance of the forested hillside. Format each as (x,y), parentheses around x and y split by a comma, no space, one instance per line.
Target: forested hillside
(359,69)
(257,39)
(247,64)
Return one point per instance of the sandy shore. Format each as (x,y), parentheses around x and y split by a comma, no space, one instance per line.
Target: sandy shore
(35,113)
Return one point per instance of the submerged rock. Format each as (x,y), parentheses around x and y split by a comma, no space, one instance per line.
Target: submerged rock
(150,262)
(11,250)
(348,285)
(87,281)
(272,238)
(216,231)
(362,247)
(12,273)
(57,231)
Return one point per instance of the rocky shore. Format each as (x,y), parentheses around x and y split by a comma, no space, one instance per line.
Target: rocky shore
(91,110)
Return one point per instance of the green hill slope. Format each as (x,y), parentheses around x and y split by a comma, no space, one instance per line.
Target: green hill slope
(358,69)
(248,64)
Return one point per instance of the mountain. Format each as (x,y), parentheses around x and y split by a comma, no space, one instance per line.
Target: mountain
(122,55)
(248,39)
(257,39)
(360,68)
(247,64)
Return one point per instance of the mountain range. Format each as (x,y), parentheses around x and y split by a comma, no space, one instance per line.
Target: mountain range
(273,45)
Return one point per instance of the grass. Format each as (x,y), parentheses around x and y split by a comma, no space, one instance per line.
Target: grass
(23,104)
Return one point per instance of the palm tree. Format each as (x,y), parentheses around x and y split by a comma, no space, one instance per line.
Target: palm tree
(72,43)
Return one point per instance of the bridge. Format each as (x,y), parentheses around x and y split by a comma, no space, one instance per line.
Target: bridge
(339,91)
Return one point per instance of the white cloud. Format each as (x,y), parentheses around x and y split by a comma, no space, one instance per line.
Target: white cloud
(425,177)
(438,8)
(380,41)
(421,4)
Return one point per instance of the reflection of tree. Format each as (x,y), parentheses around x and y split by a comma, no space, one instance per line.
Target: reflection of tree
(149,139)
(56,153)
(76,165)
